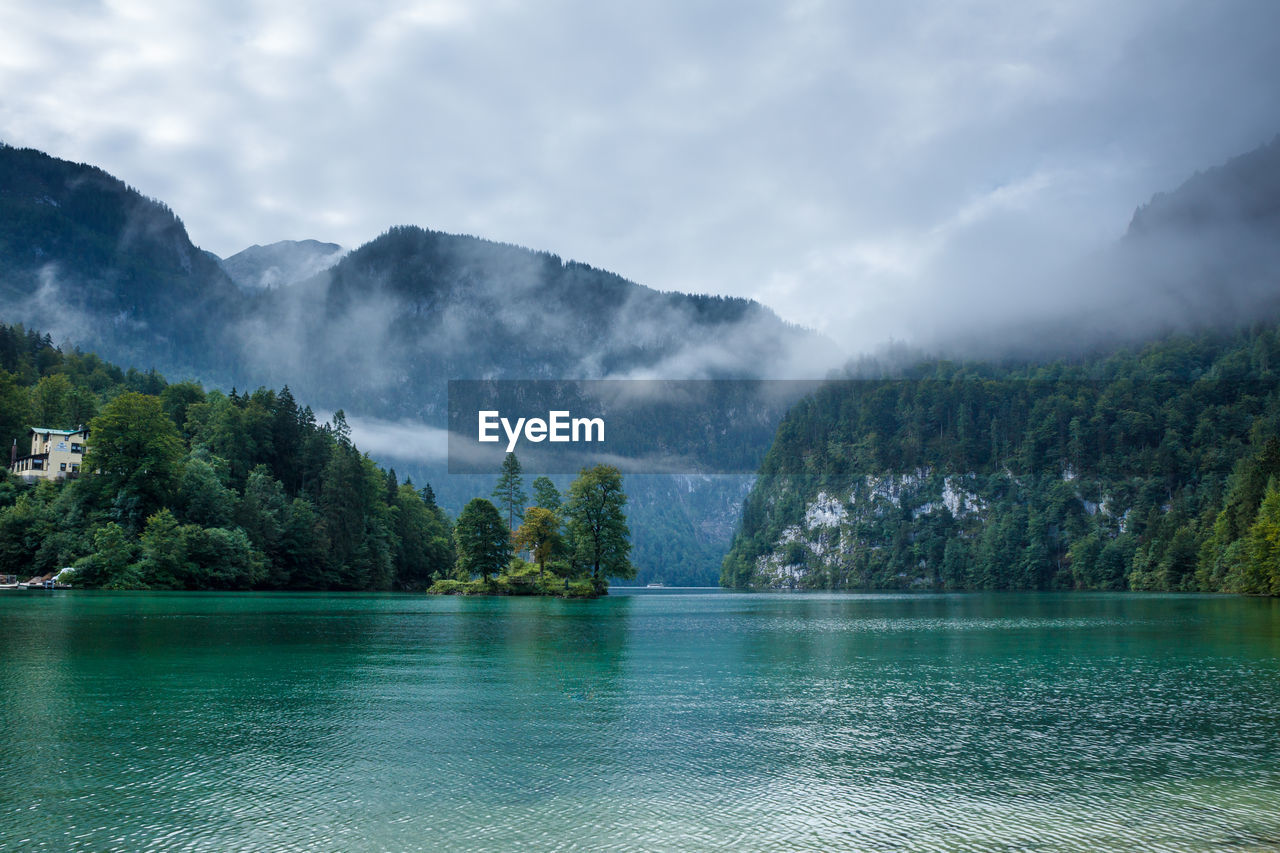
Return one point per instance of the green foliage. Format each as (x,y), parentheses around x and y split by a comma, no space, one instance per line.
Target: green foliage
(178,398)
(1258,571)
(1142,470)
(15,414)
(183,489)
(483,540)
(202,496)
(425,549)
(540,535)
(518,578)
(545,494)
(136,454)
(222,558)
(164,563)
(581,589)
(111,564)
(509,492)
(598,524)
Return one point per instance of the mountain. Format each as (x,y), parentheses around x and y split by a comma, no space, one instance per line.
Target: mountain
(1202,257)
(1243,193)
(1140,470)
(279,264)
(90,259)
(396,317)
(384,328)
(1142,466)
(381,330)
(1207,255)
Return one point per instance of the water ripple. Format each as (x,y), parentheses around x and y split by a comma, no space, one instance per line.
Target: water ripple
(775,723)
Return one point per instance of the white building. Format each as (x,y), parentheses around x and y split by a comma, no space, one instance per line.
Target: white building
(55,454)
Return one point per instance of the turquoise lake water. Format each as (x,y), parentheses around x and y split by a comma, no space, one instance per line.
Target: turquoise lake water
(647,721)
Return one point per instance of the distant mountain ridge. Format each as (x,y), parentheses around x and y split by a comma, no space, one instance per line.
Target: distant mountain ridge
(88,258)
(1202,257)
(1138,468)
(282,263)
(379,332)
(1245,190)
(413,307)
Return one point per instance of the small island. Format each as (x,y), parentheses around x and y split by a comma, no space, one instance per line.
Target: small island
(571,546)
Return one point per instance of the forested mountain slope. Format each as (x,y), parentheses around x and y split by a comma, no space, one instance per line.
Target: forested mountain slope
(87,258)
(197,489)
(1130,442)
(1148,469)
(100,267)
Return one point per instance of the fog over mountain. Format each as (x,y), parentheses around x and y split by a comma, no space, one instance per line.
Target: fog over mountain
(1204,255)
(281,263)
(390,322)
(90,260)
(380,332)
(873,171)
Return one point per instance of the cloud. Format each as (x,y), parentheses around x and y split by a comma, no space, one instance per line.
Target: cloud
(871,170)
(408,440)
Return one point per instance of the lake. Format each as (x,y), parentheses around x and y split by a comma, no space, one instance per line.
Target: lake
(645,721)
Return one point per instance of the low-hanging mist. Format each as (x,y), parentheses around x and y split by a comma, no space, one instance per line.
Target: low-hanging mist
(379,333)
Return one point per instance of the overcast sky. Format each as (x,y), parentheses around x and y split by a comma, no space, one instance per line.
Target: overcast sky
(866,168)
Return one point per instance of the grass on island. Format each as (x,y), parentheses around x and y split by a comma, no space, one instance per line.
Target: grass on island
(521,578)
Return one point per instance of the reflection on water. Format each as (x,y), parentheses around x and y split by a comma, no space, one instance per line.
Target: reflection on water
(639,722)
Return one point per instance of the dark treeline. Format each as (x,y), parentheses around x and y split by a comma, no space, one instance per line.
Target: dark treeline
(1149,469)
(198,489)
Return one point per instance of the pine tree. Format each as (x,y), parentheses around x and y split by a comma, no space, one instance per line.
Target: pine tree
(545,494)
(484,544)
(509,493)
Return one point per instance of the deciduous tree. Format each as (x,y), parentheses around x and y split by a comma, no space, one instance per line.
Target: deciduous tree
(596,519)
(540,534)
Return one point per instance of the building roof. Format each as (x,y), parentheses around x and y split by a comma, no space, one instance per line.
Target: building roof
(59,431)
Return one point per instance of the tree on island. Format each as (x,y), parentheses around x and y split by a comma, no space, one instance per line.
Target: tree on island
(540,535)
(509,492)
(598,525)
(546,495)
(483,542)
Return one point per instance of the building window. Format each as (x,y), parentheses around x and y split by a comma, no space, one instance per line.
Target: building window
(64,467)
(75,469)
(77,448)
